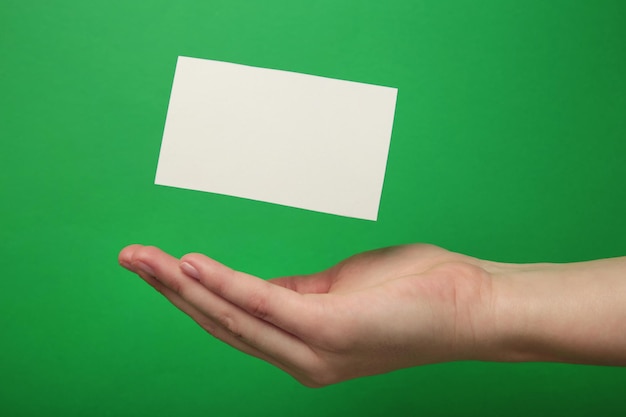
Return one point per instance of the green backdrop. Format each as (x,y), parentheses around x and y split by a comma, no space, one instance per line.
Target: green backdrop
(509,144)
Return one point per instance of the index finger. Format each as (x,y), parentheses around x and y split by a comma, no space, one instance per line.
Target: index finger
(295,313)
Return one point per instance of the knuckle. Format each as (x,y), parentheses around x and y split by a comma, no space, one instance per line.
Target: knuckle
(208,325)
(228,322)
(258,306)
(176,287)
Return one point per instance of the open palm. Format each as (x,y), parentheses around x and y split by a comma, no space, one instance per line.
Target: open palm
(372,313)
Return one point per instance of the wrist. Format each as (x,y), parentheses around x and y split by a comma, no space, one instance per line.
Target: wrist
(558,312)
(518,326)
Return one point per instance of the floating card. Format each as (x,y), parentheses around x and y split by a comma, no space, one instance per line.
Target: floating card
(281,137)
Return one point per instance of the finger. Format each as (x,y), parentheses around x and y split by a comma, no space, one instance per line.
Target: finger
(276,304)
(210,326)
(201,319)
(125,259)
(273,342)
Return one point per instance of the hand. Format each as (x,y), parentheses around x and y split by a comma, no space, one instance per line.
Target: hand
(372,313)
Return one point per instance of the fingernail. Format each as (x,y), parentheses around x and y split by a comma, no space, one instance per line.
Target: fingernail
(145,268)
(190,270)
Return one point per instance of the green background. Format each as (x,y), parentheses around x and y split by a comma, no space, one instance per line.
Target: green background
(509,144)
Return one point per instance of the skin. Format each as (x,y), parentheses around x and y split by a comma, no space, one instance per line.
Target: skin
(400,307)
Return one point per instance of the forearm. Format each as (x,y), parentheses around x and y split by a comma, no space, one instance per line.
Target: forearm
(560,312)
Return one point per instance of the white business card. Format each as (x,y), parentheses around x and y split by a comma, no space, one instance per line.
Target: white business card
(277,136)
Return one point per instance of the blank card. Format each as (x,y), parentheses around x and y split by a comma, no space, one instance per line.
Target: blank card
(281,137)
